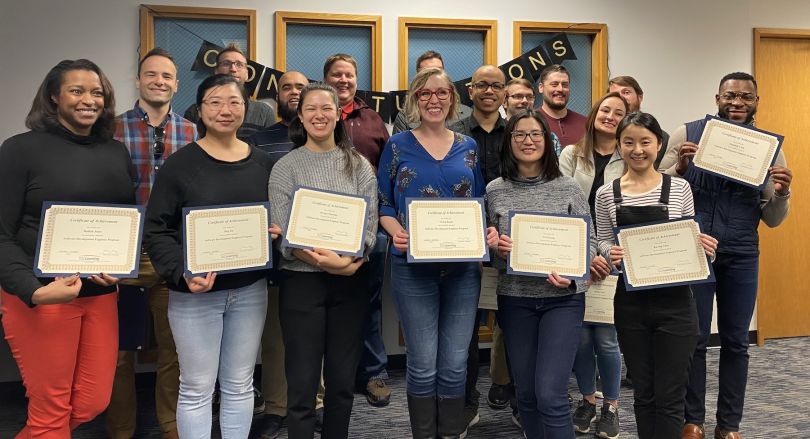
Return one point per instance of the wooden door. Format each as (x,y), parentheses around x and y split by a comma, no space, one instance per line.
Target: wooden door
(782,70)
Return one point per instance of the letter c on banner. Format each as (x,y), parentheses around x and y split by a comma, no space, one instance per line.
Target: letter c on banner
(207,57)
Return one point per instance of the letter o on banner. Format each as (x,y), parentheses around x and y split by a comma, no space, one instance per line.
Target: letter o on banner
(512,69)
(251,73)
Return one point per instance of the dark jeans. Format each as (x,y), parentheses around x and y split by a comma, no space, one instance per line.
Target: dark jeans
(471,393)
(374,360)
(322,319)
(541,336)
(736,292)
(657,332)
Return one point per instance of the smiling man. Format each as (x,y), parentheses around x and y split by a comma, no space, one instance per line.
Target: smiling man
(555,86)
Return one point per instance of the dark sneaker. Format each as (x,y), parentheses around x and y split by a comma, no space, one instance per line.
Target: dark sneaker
(584,415)
(377,393)
(319,419)
(498,396)
(608,425)
(267,427)
(258,402)
(471,418)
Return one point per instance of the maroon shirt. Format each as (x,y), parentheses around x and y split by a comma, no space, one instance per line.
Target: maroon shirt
(569,129)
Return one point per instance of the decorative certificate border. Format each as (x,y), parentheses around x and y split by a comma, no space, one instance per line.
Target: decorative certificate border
(601,315)
(480,253)
(774,144)
(43,267)
(294,241)
(705,272)
(581,222)
(190,214)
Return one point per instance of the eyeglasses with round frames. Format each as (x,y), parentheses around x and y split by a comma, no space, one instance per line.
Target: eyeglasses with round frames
(227,64)
(521,97)
(520,136)
(217,104)
(442,94)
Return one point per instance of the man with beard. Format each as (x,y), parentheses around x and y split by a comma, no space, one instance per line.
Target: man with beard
(151,131)
(631,91)
(555,86)
(731,212)
(258,115)
(276,142)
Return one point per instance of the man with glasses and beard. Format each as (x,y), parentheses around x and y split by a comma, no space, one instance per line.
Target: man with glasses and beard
(555,86)
(151,131)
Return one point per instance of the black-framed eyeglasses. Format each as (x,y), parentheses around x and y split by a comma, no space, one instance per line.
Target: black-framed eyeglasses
(483,86)
(748,98)
(157,144)
(520,136)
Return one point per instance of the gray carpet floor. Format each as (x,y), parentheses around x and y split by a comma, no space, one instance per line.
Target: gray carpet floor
(778,382)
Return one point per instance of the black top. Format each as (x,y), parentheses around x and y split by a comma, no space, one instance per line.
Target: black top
(489,144)
(192,178)
(600,162)
(53,166)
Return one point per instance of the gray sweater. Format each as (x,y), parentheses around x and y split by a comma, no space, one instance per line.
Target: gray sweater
(320,170)
(559,196)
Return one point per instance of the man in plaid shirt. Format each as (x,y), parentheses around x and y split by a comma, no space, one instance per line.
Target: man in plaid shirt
(151,131)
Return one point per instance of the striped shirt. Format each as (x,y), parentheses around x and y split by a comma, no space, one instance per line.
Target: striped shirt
(680,205)
(275,141)
(133,129)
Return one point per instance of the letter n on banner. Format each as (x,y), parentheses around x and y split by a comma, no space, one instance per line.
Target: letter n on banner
(535,61)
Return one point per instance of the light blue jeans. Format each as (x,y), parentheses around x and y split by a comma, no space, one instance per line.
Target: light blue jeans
(598,345)
(217,336)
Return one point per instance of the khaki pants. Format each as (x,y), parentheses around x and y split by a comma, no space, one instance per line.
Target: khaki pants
(120,416)
(497,361)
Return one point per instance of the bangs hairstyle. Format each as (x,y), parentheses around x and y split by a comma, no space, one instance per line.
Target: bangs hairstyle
(210,82)
(549,164)
(643,120)
(584,148)
(43,113)
(298,134)
(419,81)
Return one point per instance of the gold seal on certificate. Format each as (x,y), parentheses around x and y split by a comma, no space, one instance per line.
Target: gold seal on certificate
(599,300)
(89,239)
(328,220)
(446,229)
(737,152)
(226,239)
(663,254)
(542,243)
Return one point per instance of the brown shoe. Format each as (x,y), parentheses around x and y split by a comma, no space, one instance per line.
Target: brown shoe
(720,434)
(377,393)
(692,431)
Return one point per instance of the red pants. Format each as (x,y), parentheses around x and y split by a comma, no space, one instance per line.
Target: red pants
(66,354)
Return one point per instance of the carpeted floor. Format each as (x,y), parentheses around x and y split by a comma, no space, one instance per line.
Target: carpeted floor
(779,380)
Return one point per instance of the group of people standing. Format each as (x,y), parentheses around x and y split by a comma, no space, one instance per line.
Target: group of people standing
(318,312)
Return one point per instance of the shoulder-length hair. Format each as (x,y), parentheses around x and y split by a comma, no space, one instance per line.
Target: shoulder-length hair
(584,147)
(298,134)
(210,82)
(419,81)
(549,163)
(43,113)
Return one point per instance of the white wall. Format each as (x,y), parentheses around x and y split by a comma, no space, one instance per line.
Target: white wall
(677,50)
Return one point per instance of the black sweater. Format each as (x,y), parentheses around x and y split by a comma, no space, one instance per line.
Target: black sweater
(53,166)
(192,178)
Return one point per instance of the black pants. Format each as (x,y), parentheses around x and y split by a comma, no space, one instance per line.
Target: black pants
(322,317)
(657,332)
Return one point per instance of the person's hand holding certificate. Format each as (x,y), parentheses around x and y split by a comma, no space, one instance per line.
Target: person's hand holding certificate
(664,254)
(446,229)
(546,243)
(738,152)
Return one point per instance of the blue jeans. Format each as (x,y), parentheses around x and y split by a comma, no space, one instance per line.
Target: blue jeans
(541,336)
(736,291)
(600,340)
(436,303)
(217,335)
(374,361)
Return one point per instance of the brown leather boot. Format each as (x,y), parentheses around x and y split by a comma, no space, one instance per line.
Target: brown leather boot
(720,434)
(692,431)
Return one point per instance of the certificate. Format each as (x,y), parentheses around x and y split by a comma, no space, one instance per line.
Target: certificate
(89,239)
(226,239)
(737,152)
(599,300)
(446,229)
(328,220)
(542,243)
(663,254)
(488,299)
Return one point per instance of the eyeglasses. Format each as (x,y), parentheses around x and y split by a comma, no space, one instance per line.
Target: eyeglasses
(483,86)
(228,64)
(520,97)
(157,145)
(748,98)
(442,94)
(520,136)
(217,104)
